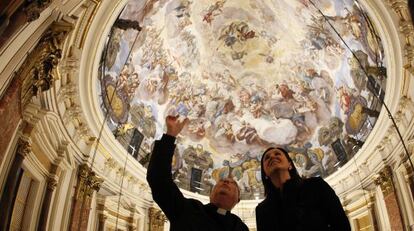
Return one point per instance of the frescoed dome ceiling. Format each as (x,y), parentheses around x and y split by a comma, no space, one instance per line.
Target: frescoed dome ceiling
(248,74)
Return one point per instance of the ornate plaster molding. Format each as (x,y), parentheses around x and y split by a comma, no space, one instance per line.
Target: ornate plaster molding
(24,147)
(35,8)
(88,182)
(384,180)
(400,7)
(157,219)
(52,183)
(38,71)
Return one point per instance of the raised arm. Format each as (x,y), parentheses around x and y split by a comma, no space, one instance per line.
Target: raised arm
(164,191)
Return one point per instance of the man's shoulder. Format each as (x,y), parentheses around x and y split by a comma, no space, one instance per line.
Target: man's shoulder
(240,224)
(195,205)
(194,202)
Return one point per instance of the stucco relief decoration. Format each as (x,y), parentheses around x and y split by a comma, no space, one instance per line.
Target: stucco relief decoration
(38,71)
(33,9)
(88,182)
(248,74)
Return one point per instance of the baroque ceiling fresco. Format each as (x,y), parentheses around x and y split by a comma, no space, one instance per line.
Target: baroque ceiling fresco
(248,74)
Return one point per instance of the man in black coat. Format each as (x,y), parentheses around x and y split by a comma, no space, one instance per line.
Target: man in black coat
(188,214)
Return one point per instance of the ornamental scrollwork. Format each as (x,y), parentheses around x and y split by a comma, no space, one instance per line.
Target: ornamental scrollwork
(157,219)
(38,71)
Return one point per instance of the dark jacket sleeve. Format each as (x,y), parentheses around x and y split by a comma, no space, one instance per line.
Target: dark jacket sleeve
(164,191)
(332,208)
(260,218)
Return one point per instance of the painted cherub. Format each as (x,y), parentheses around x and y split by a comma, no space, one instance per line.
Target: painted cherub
(344,98)
(213,11)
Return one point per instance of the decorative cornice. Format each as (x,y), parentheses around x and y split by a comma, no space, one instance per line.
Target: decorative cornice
(400,7)
(91,8)
(111,169)
(37,72)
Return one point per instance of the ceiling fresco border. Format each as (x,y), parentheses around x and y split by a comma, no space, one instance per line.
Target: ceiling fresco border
(373,156)
(89,57)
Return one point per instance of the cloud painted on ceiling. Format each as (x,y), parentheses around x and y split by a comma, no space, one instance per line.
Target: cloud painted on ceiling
(248,75)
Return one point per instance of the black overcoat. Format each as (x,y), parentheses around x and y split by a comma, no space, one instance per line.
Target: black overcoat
(309,204)
(184,214)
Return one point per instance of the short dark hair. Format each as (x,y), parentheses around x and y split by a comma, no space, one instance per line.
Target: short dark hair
(411,9)
(268,186)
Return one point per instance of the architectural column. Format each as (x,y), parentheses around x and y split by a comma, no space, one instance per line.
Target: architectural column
(12,184)
(390,198)
(87,184)
(133,218)
(410,178)
(100,210)
(372,213)
(101,221)
(156,219)
(50,189)
(52,181)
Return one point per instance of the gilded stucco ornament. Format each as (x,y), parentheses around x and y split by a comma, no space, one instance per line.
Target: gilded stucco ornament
(52,183)
(88,182)
(34,8)
(24,147)
(38,71)
(156,219)
(384,180)
(400,7)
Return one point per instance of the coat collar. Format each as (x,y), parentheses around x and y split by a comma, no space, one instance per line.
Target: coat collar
(212,208)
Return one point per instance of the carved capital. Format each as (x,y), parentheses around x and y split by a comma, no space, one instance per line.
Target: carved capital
(94,182)
(51,183)
(156,219)
(88,182)
(23,148)
(384,180)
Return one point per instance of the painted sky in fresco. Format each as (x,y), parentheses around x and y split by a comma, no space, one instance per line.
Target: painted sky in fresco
(248,75)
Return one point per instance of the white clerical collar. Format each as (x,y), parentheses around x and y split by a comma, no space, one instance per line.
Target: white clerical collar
(221,211)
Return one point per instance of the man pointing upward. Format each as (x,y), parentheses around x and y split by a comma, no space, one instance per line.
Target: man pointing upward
(183,213)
